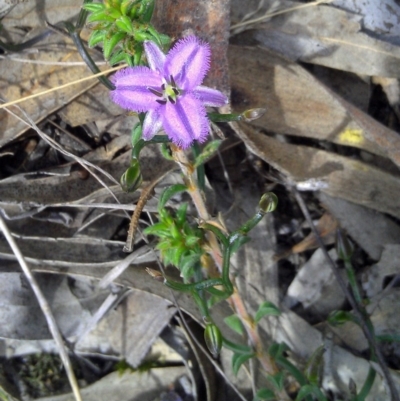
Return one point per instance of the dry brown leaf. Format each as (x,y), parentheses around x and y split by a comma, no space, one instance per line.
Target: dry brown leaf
(269,80)
(326,228)
(19,80)
(335,175)
(328,36)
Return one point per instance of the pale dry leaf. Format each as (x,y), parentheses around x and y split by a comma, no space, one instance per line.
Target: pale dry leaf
(331,37)
(271,81)
(19,80)
(342,177)
(371,230)
(129,386)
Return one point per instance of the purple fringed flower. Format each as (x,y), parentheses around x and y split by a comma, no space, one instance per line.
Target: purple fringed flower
(170,91)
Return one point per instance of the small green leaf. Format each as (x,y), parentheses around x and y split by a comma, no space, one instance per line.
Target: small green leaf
(238,360)
(169,193)
(388,337)
(117,57)
(93,7)
(101,15)
(95,38)
(277,380)
(309,389)
(234,323)
(208,151)
(125,24)
(264,394)
(110,43)
(314,366)
(266,309)
(126,7)
(338,318)
(187,265)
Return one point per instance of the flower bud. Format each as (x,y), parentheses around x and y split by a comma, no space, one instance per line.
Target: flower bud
(253,114)
(132,178)
(268,202)
(213,338)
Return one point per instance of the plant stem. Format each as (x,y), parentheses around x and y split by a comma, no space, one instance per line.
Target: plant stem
(235,300)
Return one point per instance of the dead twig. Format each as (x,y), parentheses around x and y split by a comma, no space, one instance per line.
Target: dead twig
(357,311)
(51,322)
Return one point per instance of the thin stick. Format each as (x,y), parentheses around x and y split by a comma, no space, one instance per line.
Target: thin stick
(286,10)
(51,322)
(2,106)
(144,196)
(357,311)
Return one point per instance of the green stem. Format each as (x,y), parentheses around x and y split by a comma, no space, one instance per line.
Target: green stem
(85,55)
(353,281)
(366,388)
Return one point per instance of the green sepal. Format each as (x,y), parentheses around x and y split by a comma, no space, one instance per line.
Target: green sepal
(235,324)
(213,339)
(239,359)
(110,43)
(169,193)
(124,24)
(101,15)
(95,38)
(264,394)
(208,151)
(132,178)
(266,309)
(93,7)
(268,202)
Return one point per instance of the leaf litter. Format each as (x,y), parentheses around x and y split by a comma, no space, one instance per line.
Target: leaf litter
(310,138)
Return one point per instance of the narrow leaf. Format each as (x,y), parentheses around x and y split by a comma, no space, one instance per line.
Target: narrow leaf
(266,309)
(238,360)
(234,323)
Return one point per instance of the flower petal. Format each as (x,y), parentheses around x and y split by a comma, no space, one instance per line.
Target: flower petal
(188,62)
(131,91)
(185,121)
(155,57)
(210,97)
(152,123)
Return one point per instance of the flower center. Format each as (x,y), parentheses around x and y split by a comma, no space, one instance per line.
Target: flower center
(168,92)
